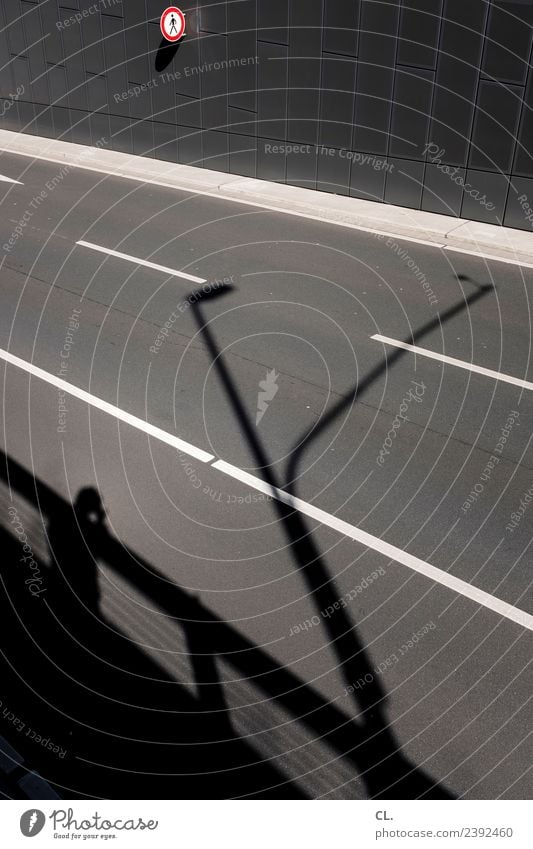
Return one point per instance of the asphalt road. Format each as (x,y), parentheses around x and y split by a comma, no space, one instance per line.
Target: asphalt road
(223,639)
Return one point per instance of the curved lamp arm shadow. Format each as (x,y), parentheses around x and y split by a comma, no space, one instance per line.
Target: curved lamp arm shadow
(303,440)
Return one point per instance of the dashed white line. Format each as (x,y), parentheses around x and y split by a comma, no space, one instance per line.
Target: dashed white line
(137,261)
(424,352)
(9,180)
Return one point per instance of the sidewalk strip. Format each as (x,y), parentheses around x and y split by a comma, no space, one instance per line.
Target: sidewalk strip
(137,261)
(491,257)
(378,219)
(487,372)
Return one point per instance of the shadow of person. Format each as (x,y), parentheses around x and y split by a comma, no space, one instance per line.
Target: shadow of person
(130,714)
(130,729)
(74,535)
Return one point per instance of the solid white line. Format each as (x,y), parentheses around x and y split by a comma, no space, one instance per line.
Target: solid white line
(493,258)
(219,192)
(9,180)
(487,372)
(389,551)
(138,261)
(140,424)
(193,188)
(220,195)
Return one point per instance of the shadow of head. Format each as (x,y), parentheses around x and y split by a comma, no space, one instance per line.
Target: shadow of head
(88,506)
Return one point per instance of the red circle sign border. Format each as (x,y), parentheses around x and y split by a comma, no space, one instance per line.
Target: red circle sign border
(180,15)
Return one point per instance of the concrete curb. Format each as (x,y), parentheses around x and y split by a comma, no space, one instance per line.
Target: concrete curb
(443,231)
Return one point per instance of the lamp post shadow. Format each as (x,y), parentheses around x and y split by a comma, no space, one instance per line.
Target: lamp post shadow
(386,772)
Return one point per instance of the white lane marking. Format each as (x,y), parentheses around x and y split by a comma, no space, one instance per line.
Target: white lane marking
(385,548)
(9,180)
(368,540)
(138,261)
(140,424)
(487,372)
(493,258)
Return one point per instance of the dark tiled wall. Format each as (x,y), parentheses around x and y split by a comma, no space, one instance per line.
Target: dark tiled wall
(340,95)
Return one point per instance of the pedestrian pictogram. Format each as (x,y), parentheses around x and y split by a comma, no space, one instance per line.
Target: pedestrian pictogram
(172,23)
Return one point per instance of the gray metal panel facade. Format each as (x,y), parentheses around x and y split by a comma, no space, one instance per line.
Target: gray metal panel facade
(343,96)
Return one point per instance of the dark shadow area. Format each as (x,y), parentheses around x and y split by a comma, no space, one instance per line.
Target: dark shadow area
(123,728)
(166,52)
(115,724)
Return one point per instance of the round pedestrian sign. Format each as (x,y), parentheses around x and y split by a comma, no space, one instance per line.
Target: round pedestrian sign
(172,23)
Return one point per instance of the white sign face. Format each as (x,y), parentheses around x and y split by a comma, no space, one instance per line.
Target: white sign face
(172,23)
